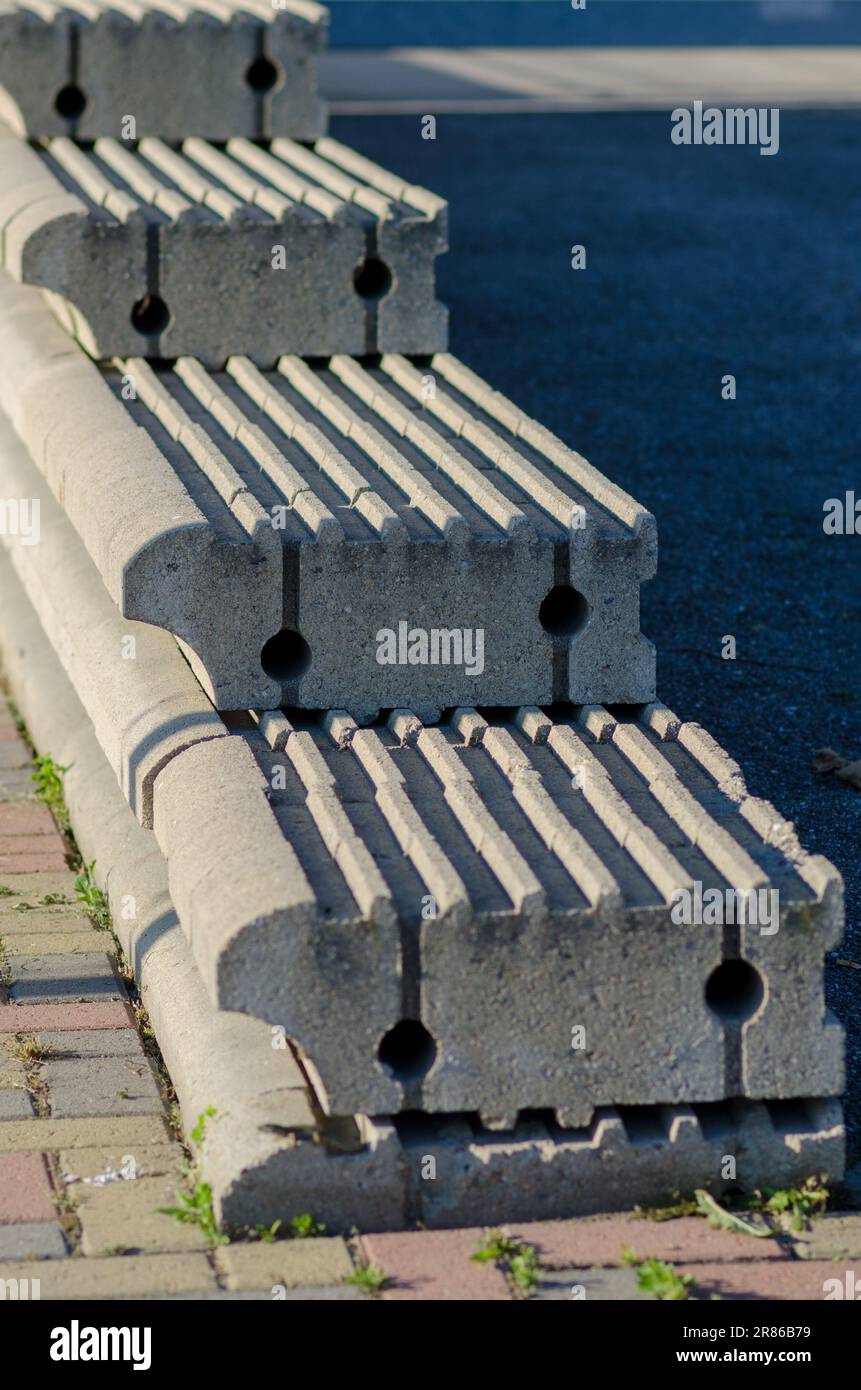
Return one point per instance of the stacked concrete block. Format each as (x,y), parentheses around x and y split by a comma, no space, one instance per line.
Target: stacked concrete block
(450,918)
(172,67)
(531,868)
(324,536)
(565,953)
(316,250)
(271,1154)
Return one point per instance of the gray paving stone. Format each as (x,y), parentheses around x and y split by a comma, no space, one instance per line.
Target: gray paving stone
(58,979)
(16,786)
(116,1086)
(587,1285)
(98,1042)
(37,1240)
(15,1103)
(184,69)
(834,1236)
(337,1293)
(316,249)
(294,527)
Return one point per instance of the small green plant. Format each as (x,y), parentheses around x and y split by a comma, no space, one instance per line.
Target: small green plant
(198,1134)
(797,1204)
(515,1258)
(55,899)
(682,1206)
(305,1225)
(267,1234)
(6,892)
(727,1220)
(368,1277)
(93,899)
(23,907)
(48,777)
(658,1278)
(195,1209)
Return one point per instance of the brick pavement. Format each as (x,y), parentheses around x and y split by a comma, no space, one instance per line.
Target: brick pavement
(88,1153)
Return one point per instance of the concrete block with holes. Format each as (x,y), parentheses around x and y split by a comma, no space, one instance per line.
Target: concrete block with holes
(315,249)
(369,1172)
(338,536)
(472,917)
(482,916)
(171,68)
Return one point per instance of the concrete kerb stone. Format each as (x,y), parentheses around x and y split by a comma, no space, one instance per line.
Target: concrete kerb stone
(317,249)
(279,521)
(144,702)
(249,69)
(218,588)
(263,1164)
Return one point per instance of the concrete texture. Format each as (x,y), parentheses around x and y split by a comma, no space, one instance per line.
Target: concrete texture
(216,586)
(573,836)
(665,313)
(306,881)
(180,69)
(360,1171)
(144,702)
(281,523)
(316,249)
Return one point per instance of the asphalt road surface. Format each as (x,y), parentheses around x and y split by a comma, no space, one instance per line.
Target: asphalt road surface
(701,262)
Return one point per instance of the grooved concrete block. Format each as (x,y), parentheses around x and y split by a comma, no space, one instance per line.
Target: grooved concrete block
(623,1159)
(327,537)
(495,909)
(144,702)
(356,1171)
(316,249)
(174,69)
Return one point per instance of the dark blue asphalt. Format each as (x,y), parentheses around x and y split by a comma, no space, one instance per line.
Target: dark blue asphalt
(454,23)
(701,261)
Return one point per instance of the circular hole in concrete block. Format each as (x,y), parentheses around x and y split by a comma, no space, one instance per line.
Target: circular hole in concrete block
(563,612)
(262,75)
(150,316)
(734,991)
(70,102)
(286,655)
(372,278)
(407,1050)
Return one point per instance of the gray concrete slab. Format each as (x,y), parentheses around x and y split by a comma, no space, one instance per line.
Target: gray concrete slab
(369,1173)
(32,1240)
(64,979)
(85,70)
(316,249)
(491,80)
(347,535)
(121,1086)
(522,860)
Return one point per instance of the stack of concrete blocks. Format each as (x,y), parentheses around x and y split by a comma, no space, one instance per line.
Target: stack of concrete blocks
(452,885)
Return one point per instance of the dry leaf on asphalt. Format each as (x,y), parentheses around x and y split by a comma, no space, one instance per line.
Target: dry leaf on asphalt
(826,760)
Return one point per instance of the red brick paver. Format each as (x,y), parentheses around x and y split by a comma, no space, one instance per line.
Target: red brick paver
(25,1189)
(600,1240)
(435,1265)
(23,818)
(34,1018)
(770,1279)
